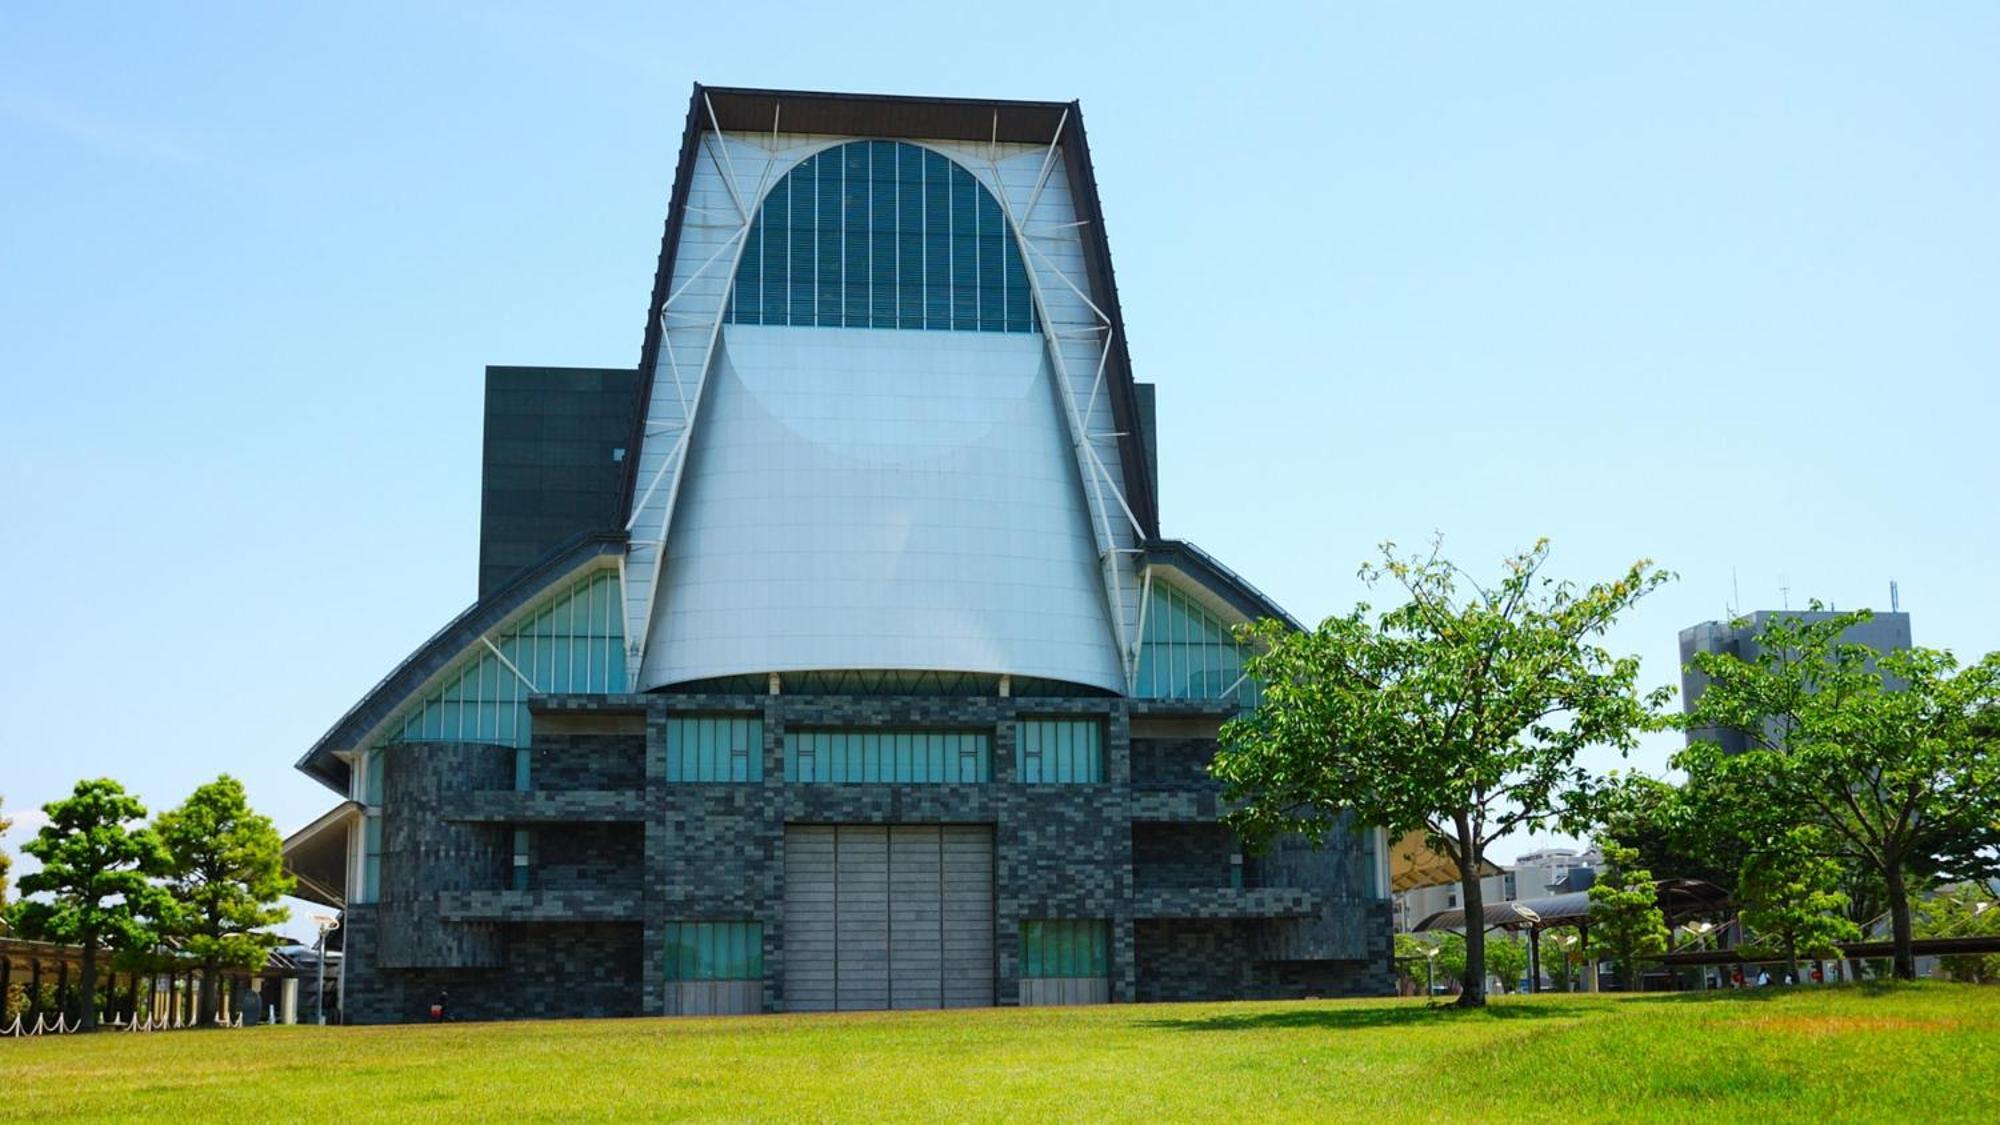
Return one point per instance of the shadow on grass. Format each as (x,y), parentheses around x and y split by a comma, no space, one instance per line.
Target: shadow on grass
(1400,1015)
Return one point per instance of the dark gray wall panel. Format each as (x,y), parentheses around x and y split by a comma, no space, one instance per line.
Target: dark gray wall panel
(549,469)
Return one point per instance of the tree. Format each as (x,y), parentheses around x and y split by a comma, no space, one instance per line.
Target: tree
(1792,902)
(94,869)
(1507,959)
(226,871)
(1439,955)
(1625,911)
(1460,714)
(1894,756)
(1967,910)
(1675,829)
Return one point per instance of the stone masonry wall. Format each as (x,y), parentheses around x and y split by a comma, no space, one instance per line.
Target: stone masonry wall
(651,852)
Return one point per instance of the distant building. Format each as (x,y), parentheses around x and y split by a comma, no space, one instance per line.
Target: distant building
(1536,874)
(1885,632)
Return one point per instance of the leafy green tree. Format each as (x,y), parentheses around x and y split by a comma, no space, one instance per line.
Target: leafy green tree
(1452,962)
(1673,828)
(1507,959)
(226,871)
(1460,712)
(1792,903)
(95,865)
(1625,911)
(1894,756)
(1438,956)
(1967,910)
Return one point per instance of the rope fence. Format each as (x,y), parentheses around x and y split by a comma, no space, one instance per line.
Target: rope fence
(58,1024)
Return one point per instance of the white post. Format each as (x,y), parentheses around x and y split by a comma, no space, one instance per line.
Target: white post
(288,1001)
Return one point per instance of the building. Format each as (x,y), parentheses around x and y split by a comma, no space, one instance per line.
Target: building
(833,658)
(1884,632)
(1535,874)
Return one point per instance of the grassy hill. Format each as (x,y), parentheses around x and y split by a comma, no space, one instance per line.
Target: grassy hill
(1921,1052)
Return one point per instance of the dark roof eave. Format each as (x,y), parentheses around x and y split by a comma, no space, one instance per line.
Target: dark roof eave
(1225,583)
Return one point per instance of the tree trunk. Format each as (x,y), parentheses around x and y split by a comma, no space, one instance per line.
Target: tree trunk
(205,1009)
(89,974)
(1474,984)
(1792,957)
(1899,923)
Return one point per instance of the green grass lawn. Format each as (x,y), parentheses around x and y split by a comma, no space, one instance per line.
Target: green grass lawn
(1911,1053)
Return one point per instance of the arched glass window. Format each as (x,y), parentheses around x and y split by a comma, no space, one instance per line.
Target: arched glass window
(881,234)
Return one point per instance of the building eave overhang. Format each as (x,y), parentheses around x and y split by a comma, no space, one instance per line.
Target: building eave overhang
(306,851)
(898,117)
(1220,581)
(324,762)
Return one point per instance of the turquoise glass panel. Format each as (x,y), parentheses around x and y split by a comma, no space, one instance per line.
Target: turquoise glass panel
(371,859)
(1188,652)
(1059,751)
(1065,948)
(572,641)
(879,757)
(715,748)
(881,234)
(715,951)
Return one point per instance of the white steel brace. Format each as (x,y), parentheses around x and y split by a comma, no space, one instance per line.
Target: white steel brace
(1098,478)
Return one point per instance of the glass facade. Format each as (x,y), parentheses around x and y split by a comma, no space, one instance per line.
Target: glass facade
(715,748)
(882,234)
(372,765)
(1066,948)
(1188,653)
(865,757)
(1059,751)
(573,642)
(715,951)
(371,858)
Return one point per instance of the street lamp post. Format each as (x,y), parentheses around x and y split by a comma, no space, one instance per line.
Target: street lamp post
(327,923)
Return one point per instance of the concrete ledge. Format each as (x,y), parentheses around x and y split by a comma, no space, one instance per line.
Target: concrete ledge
(573,806)
(1226,902)
(540,906)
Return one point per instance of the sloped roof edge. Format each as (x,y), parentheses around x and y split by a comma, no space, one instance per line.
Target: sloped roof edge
(1223,582)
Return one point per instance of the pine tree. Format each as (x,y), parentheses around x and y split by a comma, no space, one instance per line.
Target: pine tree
(1625,911)
(225,868)
(94,869)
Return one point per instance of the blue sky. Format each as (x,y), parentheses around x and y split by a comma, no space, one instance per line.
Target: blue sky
(1713,285)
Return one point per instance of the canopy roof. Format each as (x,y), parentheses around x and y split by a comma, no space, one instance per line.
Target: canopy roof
(316,856)
(1679,898)
(1414,863)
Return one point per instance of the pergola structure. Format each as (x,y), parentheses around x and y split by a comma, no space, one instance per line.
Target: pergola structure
(1679,899)
(32,965)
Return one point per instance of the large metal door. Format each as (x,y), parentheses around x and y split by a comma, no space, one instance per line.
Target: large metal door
(809,919)
(966,852)
(888,917)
